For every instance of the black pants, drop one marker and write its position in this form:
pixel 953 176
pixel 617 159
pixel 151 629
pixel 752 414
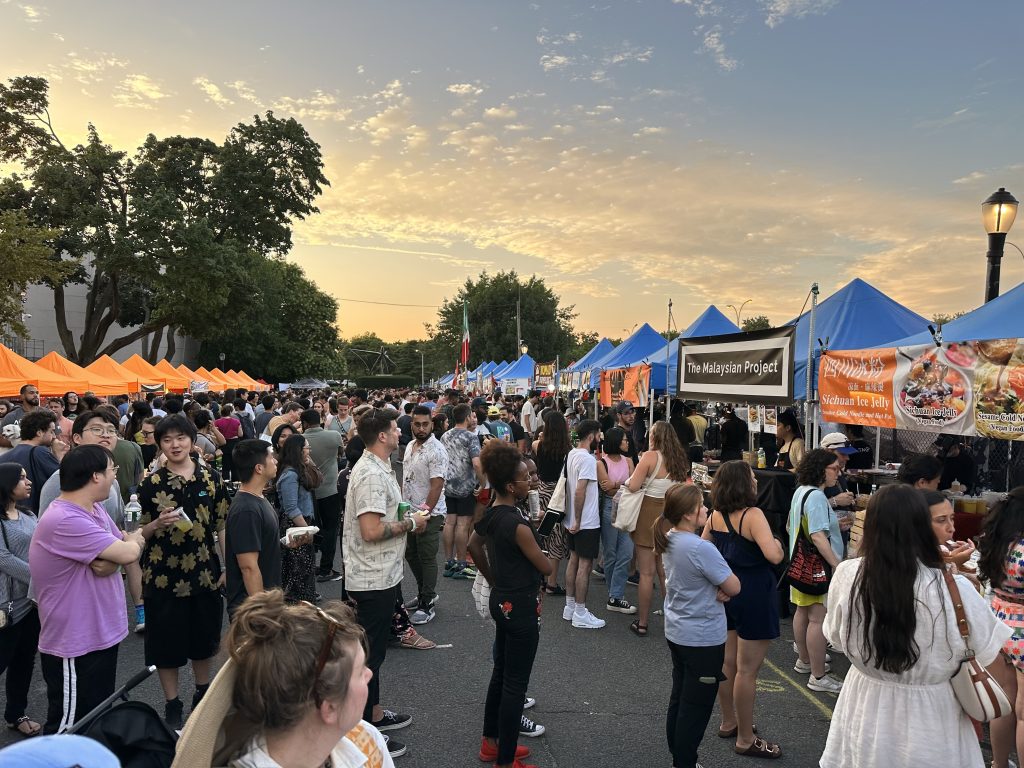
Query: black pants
pixel 18 646
pixel 516 635
pixel 374 610
pixel 328 513
pixel 74 687
pixel 696 673
pixel 227 464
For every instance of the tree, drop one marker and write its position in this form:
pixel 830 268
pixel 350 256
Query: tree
pixel 26 258
pixel 160 234
pixel 491 309
pixel 282 327
pixel 940 318
pixel 758 323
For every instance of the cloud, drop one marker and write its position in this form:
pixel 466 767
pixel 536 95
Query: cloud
pixel 245 93
pixel 971 177
pixel 551 62
pixel 545 39
pixel 504 112
pixel 138 91
pixel 320 106
pixel 702 7
pixel 777 10
pixel 651 130
pixel 213 92
pixel 464 89
pixel 33 14
pixel 713 45
pixel 630 56
pixel 961 115
pixel 91 68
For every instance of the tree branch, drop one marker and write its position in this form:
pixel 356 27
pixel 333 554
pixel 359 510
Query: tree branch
pixel 66 339
pixel 123 341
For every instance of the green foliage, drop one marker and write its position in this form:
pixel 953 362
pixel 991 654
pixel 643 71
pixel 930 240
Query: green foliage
pixel 278 325
pixel 941 318
pixel 491 308
pixel 757 323
pixel 383 381
pixel 26 257
pixel 164 234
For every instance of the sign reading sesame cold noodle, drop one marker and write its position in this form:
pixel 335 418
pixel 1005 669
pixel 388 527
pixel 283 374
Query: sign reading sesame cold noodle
pixel 754 367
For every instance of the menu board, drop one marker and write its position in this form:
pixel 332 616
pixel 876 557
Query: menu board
pixel 974 388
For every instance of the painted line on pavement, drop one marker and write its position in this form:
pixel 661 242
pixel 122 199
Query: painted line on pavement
pixel 801 689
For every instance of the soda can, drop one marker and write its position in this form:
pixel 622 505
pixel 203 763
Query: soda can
pixel 534 501
pixel 403 507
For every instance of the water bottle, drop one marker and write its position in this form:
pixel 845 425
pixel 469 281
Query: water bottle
pixel 132 512
pixel 762 460
pixel 874 488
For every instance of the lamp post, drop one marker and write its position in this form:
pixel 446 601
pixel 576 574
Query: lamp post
pixel 997 214
pixel 739 311
pixel 523 348
pixel 420 351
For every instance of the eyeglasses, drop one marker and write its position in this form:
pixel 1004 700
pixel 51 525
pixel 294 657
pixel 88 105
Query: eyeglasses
pixel 100 431
pixel 325 649
pixel 148 433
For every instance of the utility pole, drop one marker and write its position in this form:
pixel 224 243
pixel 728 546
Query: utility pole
pixel 519 332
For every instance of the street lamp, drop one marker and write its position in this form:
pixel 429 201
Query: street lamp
pixel 739 311
pixel 997 214
pixel 523 348
pixel 422 380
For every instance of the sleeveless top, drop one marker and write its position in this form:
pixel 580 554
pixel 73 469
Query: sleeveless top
pixel 739 553
pixel 656 487
pixel 548 468
pixel 618 472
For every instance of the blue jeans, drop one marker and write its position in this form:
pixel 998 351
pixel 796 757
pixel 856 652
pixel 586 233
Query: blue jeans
pixel 618 551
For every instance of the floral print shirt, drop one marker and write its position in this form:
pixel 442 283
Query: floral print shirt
pixel 183 562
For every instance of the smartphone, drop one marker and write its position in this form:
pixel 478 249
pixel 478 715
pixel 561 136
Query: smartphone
pixel 547 523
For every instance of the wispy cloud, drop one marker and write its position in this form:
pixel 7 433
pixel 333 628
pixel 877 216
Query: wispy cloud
pixel 776 11
pixel 464 89
pixel 504 112
pixel 33 13
pixel 139 91
pixel 554 61
pixel 319 105
pixel 212 92
pixel 961 115
pixel 971 177
pixel 630 55
pixel 713 44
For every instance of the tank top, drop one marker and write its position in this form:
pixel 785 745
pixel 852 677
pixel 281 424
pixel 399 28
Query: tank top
pixel 618 471
pixel 548 467
pixel 738 551
pixel 656 487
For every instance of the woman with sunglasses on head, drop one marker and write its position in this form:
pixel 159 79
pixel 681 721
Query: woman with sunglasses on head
pixel 508 554
pixel 19 640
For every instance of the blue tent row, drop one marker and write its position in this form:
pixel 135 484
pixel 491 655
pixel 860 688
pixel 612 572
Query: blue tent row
pixel 1001 318
pixel 857 316
pixel 710 323
pixel 521 369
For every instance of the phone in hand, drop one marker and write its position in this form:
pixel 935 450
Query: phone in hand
pixel 548 522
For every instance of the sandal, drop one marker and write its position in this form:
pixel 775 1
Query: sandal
pixel 413 639
pixel 638 629
pixel 731 732
pixel 26 726
pixel 761 748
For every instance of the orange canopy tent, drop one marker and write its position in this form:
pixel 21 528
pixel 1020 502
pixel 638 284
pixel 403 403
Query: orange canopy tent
pixel 231 380
pixel 176 380
pixel 147 373
pixel 215 382
pixel 100 385
pixel 16 371
pixel 239 379
pixel 253 384
pixel 189 374
pixel 108 367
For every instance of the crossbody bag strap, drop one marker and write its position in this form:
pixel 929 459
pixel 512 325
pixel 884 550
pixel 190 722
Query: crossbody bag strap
pixel 7 546
pixel 958 609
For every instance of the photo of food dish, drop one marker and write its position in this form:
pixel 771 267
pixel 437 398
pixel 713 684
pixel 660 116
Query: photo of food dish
pixel 935 393
pixel 962 355
pixel 771 419
pixel 996 351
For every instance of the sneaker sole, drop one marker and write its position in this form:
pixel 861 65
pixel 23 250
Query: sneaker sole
pixel 628 611
pixel 538 731
pixel 398 752
pixel 824 689
pixel 576 625
pixel 394 727
pixel 421 622
pixel 807 670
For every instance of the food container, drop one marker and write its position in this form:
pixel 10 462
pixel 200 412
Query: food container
pixel 958 505
pixel 751 458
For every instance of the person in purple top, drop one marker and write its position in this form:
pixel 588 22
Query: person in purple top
pixel 74 559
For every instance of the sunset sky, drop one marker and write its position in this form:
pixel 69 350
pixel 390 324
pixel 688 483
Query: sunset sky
pixel 708 151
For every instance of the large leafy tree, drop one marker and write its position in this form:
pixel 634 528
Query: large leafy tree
pixel 159 236
pixel 26 257
pixel 281 326
pixel 491 308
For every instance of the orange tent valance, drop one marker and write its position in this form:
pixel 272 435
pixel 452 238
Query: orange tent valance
pixel 16 371
pixel 100 385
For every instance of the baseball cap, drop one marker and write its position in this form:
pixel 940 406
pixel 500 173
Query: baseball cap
pixel 478 401
pixel 493 411
pixel 63 751
pixel 836 441
pixel 623 406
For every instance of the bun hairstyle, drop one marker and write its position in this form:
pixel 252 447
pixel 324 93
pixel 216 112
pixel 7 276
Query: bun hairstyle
pixel 680 500
pixel 276 646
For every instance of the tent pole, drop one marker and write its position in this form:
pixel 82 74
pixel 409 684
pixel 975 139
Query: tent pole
pixel 668 348
pixel 808 395
pixel 878 446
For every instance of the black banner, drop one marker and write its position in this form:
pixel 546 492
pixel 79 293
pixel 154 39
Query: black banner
pixel 754 367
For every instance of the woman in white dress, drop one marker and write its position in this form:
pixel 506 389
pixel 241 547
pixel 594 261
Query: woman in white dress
pixel 890 612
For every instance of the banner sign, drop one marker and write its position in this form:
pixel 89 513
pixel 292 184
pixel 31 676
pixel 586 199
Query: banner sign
pixel 974 388
pixel 754 367
pixel 543 375
pixel 632 384
pixel 198 386
pixel 515 386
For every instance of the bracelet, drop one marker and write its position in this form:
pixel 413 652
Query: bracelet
pixel 412 525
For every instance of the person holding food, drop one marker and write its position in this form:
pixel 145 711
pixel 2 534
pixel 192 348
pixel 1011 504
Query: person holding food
pixel 958 465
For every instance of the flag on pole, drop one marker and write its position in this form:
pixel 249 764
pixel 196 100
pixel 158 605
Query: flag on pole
pixel 464 354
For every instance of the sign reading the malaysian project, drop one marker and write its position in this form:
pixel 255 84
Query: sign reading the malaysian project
pixel 972 388
pixel 754 367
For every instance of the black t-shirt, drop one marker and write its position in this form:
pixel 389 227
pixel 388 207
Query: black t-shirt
pixel 511 569
pixel 864 458
pixel 251 527
pixel 734 435
pixel 961 467
pixel 518 433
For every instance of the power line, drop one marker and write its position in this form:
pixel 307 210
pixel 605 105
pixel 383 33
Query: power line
pixel 391 303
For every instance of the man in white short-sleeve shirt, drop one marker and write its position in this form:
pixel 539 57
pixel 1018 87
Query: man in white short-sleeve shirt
pixel 583 524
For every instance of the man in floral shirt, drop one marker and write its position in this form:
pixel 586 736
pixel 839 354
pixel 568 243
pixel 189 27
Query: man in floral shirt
pixel 181 566
pixel 463 476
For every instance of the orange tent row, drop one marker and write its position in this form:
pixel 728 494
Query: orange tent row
pixel 55 375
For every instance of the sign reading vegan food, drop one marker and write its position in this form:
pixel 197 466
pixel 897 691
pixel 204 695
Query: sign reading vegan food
pixel 974 388
pixel 754 367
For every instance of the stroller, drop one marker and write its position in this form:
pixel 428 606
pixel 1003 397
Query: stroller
pixel 132 730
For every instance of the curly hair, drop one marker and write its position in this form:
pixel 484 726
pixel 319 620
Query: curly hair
pixel 677 462
pixel 812 469
pixel 500 461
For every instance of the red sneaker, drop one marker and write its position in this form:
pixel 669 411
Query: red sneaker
pixel 489 754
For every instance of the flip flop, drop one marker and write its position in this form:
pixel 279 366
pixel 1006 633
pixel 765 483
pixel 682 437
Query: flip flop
pixel 761 748
pixel 34 728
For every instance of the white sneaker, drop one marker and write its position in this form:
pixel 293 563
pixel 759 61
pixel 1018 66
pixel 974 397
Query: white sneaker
pixel 804 668
pixel 567 612
pixel 586 621
pixel 825 684
pixel 828 656
pixel 420 616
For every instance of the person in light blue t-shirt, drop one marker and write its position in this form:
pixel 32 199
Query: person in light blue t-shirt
pixel 698 581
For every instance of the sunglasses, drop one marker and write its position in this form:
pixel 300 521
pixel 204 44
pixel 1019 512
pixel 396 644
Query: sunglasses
pixel 325 650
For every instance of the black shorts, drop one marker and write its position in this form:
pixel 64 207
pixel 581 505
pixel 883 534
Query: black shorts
pixel 182 628
pixel 460 506
pixel 585 543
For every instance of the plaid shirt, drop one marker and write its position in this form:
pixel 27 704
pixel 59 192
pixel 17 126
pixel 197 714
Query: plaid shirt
pixel 371 565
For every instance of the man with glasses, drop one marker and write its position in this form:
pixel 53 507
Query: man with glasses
pixel 181 571
pixel 39 452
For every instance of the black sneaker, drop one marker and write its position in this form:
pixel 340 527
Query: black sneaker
pixel 529 728
pixel 328 576
pixel 198 695
pixel 395 748
pixel 173 710
pixel 392 721
pixel 634 579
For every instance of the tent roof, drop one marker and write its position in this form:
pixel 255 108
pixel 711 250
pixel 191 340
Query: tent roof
pixel 176 380
pixel 19 371
pixel 711 322
pixel 644 342
pixel 857 316
pixel 106 366
pixel 520 369
pixel 1001 318
pixel 184 370
pixel 145 371
pixel 231 381
pixel 599 350
pixel 101 385
pixel 210 378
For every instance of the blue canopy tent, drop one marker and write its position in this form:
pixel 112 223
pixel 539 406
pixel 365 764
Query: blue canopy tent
pixel 599 350
pixel 857 316
pixel 496 374
pixel 638 348
pixel 710 323
pixel 522 368
pixel 1001 318
pixel 446 380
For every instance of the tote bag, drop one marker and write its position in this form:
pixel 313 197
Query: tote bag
pixel 628 509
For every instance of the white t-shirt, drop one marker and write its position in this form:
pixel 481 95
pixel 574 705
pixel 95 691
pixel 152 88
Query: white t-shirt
pixel 582 466
pixel 528 418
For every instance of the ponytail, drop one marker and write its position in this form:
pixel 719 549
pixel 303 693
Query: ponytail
pixel 680 500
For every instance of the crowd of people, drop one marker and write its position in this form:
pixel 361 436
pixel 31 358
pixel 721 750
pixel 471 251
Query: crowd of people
pixel 239 506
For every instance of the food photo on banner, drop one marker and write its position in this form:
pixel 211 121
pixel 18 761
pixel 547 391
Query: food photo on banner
pixel 544 375
pixel 632 384
pixel 754 367
pixel 974 388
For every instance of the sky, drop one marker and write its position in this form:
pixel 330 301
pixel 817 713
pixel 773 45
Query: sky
pixel 628 151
